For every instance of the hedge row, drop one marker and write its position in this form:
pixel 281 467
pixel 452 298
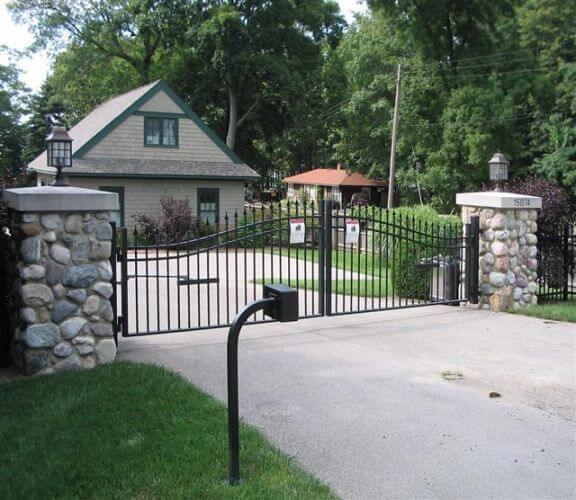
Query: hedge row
pixel 405 236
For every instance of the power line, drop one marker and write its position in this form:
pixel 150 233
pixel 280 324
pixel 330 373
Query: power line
pixel 329 109
pixel 491 73
pixel 486 56
pixel 335 112
pixel 488 73
pixel 521 117
pixel 483 65
pixel 335 109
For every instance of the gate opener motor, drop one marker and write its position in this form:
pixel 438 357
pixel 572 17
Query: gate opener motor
pixel 280 302
pixel 285 305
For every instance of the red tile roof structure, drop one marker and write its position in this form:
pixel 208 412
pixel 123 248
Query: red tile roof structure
pixel 333 177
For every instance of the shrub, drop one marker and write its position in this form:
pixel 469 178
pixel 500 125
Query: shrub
pixel 303 196
pixel 558 209
pixel 557 206
pixel 407 236
pixel 359 200
pixel 175 222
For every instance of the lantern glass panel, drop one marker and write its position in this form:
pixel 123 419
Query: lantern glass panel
pixel 498 172
pixel 60 153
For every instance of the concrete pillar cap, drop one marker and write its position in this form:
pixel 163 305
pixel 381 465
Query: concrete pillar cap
pixel 497 199
pixel 60 199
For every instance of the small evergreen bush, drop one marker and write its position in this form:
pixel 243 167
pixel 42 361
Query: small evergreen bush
pixel 407 235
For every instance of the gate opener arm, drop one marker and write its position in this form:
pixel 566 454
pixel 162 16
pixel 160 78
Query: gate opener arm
pixel 280 302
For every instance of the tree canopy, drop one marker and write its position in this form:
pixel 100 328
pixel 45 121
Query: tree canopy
pixel 291 87
pixel 11 130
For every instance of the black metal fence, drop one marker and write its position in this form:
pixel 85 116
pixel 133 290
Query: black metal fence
pixel 8 295
pixel 557 263
pixel 203 281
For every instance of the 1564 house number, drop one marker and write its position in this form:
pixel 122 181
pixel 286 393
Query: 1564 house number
pixel 521 203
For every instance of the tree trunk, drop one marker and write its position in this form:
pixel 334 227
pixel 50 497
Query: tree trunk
pixel 232 119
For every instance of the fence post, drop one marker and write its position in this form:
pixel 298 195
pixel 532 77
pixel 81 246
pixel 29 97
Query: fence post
pixel 321 255
pixel 114 280
pixel 65 242
pixel 474 251
pixel 328 206
pixel 503 268
pixel 124 281
pixel 566 259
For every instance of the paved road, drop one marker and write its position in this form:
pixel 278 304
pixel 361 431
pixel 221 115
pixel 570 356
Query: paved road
pixel 361 402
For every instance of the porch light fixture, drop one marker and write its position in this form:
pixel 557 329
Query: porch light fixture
pixel 498 170
pixel 59 152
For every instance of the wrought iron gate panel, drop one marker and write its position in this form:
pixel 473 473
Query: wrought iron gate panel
pixel 398 262
pixel 556 263
pixel 204 280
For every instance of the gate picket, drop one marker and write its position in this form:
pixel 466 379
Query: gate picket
pixel 332 276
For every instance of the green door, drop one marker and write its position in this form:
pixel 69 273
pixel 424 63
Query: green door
pixel 117 216
pixel 208 204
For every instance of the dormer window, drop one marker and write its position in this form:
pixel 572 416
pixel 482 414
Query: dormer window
pixel 160 132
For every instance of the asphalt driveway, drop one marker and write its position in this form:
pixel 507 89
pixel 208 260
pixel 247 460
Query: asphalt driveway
pixel 396 404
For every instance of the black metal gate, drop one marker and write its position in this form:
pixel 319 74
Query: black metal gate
pixel 556 263
pixel 341 261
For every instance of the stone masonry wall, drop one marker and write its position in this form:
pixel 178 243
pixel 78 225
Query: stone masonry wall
pixel 507 257
pixel 66 315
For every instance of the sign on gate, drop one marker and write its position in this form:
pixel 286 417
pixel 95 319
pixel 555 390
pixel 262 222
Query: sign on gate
pixel 352 231
pixel 297 231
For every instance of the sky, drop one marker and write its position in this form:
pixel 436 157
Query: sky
pixel 36 68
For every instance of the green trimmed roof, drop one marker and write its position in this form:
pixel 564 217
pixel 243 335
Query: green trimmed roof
pixel 155 169
pixel 111 113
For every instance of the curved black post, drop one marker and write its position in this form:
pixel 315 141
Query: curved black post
pixel 233 419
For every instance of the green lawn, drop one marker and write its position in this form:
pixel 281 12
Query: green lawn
pixel 365 263
pixel 131 431
pixel 557 311
pixel 357 288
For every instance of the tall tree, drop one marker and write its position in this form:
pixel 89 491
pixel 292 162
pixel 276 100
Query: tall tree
pixel 43 109
pixel 11 137
pixel 547 27
pixel 83 77
pixel 131 30
pixel 447 31
pixel 257 52
pixel 469 88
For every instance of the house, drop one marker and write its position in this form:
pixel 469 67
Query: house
pixel 335 183
pixel 147 143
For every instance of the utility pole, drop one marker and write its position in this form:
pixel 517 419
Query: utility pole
pixel 394 136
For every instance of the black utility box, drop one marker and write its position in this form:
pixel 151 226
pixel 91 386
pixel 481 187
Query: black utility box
pixel 444 278
pixel 285 306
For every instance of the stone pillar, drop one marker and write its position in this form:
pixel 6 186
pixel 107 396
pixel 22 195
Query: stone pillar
pixel 508 247
pixel 64 239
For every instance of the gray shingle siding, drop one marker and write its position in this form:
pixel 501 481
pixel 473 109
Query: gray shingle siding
pixel 127 141
pixel 142 196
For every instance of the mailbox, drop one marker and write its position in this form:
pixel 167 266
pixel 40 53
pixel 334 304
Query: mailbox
pixel 285 306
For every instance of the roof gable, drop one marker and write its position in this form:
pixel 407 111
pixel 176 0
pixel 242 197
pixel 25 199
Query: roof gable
pixel 106 117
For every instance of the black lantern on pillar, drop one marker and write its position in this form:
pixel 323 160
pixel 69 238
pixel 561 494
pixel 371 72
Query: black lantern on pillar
pixel 59 152
pixel 498 170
